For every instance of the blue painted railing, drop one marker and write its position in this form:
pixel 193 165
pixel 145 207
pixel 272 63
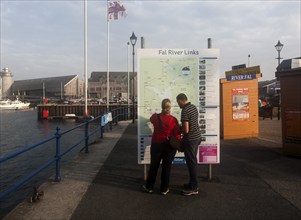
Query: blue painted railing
pixel 106 119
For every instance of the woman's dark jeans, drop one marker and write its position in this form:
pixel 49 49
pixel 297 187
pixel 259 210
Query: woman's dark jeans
pixel 160 151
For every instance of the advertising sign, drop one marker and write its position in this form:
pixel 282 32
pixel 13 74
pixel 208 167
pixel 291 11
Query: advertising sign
pixel 241 77
pixel 249 70
pixel 164 73
pixel 240 104
pixel 208 154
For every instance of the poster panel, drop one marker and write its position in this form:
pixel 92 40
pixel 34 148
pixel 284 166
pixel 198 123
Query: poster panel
pixel 164 73
pixel 240 104
pixel 207 154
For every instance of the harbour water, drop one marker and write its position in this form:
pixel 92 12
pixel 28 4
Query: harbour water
pixel 19 129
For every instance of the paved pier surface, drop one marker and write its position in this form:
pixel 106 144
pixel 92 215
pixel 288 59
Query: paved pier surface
pixel 253 181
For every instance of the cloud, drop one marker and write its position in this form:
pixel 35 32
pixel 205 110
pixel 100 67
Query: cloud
pixel 49 37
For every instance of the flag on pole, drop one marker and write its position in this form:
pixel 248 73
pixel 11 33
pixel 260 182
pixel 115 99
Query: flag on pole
pixel 116 10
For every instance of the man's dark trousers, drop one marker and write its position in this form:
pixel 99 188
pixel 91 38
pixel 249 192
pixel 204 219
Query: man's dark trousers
pixel 190 152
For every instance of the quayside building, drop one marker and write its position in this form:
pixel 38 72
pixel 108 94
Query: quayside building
pixel 60 87
pixel 67 87
pixel 97 84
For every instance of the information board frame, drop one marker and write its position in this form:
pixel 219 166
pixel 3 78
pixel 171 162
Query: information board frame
pixel 164 73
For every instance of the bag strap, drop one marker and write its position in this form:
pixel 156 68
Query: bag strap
pixel 160 122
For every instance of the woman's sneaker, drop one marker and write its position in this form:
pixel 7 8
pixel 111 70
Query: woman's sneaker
pixel 145 189
pixel 164 192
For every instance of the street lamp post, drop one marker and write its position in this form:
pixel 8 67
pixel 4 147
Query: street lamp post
pixel 249 56
pixel 133 40
pixel 278 47
pixel 128 96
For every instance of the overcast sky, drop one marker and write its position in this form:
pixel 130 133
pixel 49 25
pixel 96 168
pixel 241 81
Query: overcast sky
pixel 44 38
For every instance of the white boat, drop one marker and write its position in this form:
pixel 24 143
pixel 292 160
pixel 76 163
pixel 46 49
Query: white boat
pixel 14 105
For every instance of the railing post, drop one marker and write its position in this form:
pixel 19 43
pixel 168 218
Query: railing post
pixel 110 117
pixel 57 155
pixel 117 118
pixel 103 124
pixel 106 122
pixel 124 114
pixel 128 112
pixel 101 127
pixel 87 136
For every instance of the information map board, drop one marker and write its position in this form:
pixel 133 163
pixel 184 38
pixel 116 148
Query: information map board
pixel 164 73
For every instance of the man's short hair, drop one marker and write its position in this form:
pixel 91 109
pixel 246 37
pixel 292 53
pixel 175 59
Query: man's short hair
pixel 182 97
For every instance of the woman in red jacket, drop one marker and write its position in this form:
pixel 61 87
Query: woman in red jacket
pixel 165 125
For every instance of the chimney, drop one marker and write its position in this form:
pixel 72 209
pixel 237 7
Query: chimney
pixel 142 42
pixel 209 43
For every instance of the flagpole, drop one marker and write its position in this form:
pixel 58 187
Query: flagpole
pixel 108 58
pixel 116 9
pixel 85 58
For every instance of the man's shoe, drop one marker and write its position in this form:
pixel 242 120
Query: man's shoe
pixel 189 192
pixel 186 186
pixel 145 189
pixel 164 192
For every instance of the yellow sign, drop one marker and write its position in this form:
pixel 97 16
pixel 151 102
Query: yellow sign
pixel 244 71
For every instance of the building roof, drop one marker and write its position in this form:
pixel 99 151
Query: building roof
pixel 52 84
pixel 289 64
pixel 102 76
pixel 266 83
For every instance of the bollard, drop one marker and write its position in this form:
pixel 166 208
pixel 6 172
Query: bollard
pixel 58 156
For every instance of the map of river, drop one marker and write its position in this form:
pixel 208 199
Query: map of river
pixel 162 78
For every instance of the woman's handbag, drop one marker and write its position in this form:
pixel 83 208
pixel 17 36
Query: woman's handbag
pixel 175 143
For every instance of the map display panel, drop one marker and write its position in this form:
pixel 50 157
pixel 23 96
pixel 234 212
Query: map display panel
pixel 165 78
pixel 164 73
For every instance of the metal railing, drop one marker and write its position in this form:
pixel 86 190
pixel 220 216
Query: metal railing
pixel 100 122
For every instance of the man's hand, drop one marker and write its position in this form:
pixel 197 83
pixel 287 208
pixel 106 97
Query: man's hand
pixel 185 127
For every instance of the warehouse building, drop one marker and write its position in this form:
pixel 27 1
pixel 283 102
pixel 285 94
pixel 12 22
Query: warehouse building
pixel 97 84
pixel 61 87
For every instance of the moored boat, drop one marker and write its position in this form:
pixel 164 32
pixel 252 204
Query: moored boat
pixel 14 105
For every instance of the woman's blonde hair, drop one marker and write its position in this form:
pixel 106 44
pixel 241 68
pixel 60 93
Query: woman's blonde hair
pixel 166 106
